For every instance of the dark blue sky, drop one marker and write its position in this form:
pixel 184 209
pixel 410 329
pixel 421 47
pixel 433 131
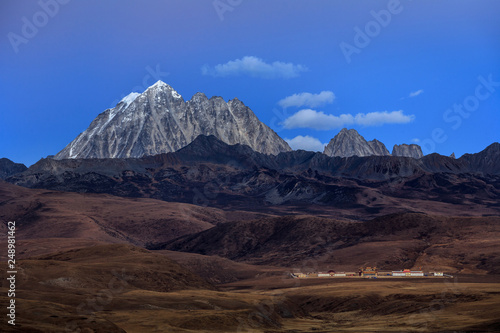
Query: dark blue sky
pixel 399 71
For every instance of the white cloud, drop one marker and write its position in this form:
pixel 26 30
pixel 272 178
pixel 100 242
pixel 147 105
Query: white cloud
pixel 308 99
pixel 306 143
pixel 380 118
pixel 415 140
pixel 308 118
pixel 416 93
pixel 254 67
pixel 318 120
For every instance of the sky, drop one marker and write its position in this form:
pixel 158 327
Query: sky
pixel 425 72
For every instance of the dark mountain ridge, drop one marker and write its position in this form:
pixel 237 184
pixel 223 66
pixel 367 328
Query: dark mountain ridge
pixel 9 168
pixel 223 174
pixel 208 149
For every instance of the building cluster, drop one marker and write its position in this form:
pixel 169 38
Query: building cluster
pixel 370 272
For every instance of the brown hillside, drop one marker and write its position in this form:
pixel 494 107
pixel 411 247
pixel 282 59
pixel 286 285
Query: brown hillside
pixel 102 217
pixel 455 244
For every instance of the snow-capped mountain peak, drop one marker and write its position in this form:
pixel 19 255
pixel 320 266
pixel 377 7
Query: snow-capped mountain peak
pixel 160 121
pixel 160 86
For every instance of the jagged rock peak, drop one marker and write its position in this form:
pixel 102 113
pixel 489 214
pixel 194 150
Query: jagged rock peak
pixel 405 150
pixel 160 121
pixel 350 143
pixel 453 155
pixel 378 148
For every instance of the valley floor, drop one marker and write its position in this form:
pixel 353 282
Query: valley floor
pixel 98 263
pixel 270 302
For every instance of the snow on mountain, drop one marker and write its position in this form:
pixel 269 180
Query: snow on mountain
pixel 130 98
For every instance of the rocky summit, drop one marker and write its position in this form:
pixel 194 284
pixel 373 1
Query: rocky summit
pixel 350 143
pixel 378 148
pixel 160 121
pixel 405 150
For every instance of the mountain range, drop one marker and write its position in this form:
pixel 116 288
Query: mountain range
pixel 212 152
pixel 160 121
pixel 211 172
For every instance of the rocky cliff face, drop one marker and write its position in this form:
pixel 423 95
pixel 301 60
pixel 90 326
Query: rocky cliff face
pixel 160 121
pixel 349 143
pixel 405 150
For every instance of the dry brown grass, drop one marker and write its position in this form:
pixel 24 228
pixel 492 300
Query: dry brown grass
pixel 154 298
